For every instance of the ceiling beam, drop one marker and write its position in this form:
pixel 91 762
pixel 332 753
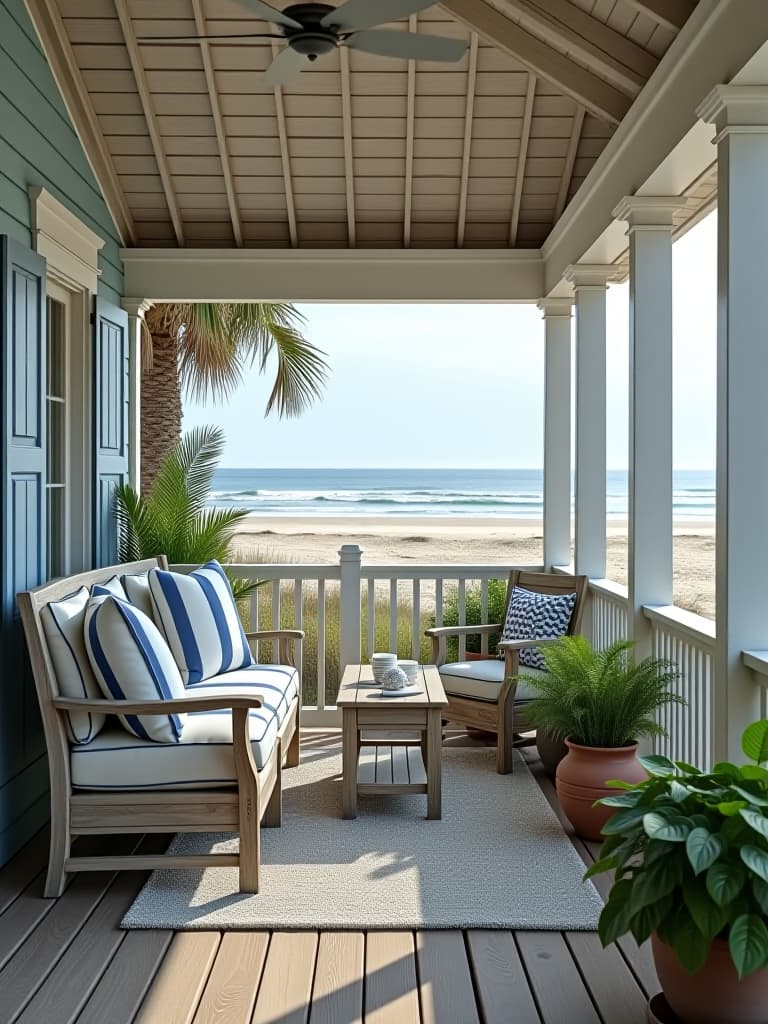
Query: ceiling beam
pixel 525 136
pixel 285 157
pixel 570 160
pixel 410 121
pixel 468 116
pixel 140 75
pixel 669 13
pixel 601 98
pixel 349 165
pixel 58 51
pixel 594 44
pixel 218 120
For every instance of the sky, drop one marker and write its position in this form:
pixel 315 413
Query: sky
pixel 462 385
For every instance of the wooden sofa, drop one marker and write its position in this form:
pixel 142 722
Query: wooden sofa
pixel 254 800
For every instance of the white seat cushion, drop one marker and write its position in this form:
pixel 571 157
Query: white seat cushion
pixel 202 759
pixel 482 680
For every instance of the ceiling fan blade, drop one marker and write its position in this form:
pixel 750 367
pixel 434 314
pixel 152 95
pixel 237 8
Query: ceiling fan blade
pixel 285 65
pixel 359 14
pixel 407 45
pixel 267 13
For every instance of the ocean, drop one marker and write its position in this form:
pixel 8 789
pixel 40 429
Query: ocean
pixel 513 493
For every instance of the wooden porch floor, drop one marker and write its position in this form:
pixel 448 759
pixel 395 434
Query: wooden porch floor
pixel 67 960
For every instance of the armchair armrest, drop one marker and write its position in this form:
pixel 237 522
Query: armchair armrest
pixel 235 700
pixel 521 645
pixel 284 638
pixel 440 634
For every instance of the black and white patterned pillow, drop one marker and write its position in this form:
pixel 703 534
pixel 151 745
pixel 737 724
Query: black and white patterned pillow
pixel 531 614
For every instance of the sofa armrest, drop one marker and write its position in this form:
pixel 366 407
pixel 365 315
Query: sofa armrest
pixel 284 637
pixel 178 706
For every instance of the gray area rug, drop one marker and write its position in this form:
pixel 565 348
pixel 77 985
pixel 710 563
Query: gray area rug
pixel 498 859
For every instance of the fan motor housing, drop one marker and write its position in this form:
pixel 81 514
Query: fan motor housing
pixel 312 39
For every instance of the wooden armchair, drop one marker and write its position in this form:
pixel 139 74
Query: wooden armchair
pixel 485 694
pixel 254 798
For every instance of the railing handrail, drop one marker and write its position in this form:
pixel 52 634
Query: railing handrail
pixel 276 570
pixel 677 620
pixel 758 662
pixel 440 570
pixel 609 589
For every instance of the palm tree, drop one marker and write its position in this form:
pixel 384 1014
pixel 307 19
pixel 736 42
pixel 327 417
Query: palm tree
pixel 203 349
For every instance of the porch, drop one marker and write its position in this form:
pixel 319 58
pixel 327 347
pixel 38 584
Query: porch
pixel 67 960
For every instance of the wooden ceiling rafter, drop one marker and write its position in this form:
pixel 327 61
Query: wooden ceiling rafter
pixel 150 117
pixel 467 144
pixel 410 122
pixel 600 98
pixel 669 13
pixel 570 160
pixel 285 159
pixel 525 136
pixel 349 162
pixel 218 121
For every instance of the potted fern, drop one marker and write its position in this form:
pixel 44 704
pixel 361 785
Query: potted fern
pixel 690 854
pixel 601 703
pixel 174 519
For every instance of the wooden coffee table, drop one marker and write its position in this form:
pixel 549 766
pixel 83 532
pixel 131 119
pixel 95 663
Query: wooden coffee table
pixel 363 707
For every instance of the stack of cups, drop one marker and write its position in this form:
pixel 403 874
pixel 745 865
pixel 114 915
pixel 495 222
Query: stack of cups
pixel 381 663
pixel 411 669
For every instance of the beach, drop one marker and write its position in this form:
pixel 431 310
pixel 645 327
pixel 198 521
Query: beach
pixel 445 540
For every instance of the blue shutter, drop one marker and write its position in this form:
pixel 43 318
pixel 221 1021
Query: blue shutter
pixel 110 423
pixel 23 558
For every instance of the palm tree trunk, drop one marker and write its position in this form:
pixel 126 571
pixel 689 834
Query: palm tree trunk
pixel 160 400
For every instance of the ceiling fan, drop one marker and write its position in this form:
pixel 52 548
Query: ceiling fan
pixel 314 29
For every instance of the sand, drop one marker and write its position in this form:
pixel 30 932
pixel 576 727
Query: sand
pixel 417 540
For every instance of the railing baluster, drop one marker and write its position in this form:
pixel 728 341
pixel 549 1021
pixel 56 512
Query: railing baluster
pixel 321 644
pixel 393 616
pixel 416 624
pixel 439 601
pixel 253 616
pixel 484 614
pixel 275 619
pixel 462 617
pixel 298 618
pixel 371 617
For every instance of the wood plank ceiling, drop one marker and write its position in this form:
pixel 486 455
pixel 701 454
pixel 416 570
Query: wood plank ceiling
pixel 359 150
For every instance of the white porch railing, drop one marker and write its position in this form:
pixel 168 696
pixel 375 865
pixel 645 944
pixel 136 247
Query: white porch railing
pixel 758 662
pixel 608 613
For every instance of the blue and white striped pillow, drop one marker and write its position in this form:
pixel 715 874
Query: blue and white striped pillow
pixel 131 661
pixel 198 615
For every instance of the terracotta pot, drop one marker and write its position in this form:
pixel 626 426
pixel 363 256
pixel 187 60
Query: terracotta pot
pixel 581 778
pixel 714 995
pixel 551 751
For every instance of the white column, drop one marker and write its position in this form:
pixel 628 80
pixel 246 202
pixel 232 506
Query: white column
pixel 350 557
pixel 135 308
pixel 740 114
pixel 650 224
pixel 590 283
pixel 557 431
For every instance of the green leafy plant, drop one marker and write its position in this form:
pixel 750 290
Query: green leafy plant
pixel 173 519
pixel 690 853
pixel 473 614
pixel 599 698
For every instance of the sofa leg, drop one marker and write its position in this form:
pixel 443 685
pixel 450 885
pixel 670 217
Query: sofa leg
pixel 293 753
pixel 249 802
pixel 273 812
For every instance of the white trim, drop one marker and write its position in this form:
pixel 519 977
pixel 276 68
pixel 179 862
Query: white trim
pixel 136 310
pixel 70 248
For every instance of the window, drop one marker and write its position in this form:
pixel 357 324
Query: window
pixel 57 410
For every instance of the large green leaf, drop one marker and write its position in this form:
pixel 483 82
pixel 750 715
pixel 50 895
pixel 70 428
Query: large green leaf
pixel 754 798
pixel 703 849
pixel 725 882
pixel 710 918
pixel 615 915
pixel 653 883
pixel 622 821
pixel 647 920
pixel 756 860
pixel 748 942
pixel 670 828
pixel 629 799
pixel 656 764
pixel 760 892
pixel 687 941
pixel 754 741
pixel 756 821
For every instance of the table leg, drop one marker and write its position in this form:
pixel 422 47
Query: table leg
pixel 434 765
pixel 350 748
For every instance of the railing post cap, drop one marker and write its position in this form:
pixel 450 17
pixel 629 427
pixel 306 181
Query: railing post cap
pixel 350 552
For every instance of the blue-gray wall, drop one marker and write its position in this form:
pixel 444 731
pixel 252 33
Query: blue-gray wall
pixel 38 146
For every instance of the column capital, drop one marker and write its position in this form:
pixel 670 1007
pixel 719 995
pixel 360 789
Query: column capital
pixel 592 275
pixel 736 109
pixel 136 307
pixel 650 213
pixel 556 308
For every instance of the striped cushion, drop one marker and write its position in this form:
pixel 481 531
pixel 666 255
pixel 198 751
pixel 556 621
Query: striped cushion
pixel 203 757
pixel 198 615
pixel 131 661
pixel 136 586
pixel 63 626
pixel 112 586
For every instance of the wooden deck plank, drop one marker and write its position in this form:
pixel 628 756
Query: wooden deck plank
pixel 286 984
pixel 122 987
pixel 557 985
pixel 391 987
pixel 178 985
pixel 610 981
pixel 337 995
pixel 500 982
pixel 16 875
pixel 230 994
pixel 445 981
